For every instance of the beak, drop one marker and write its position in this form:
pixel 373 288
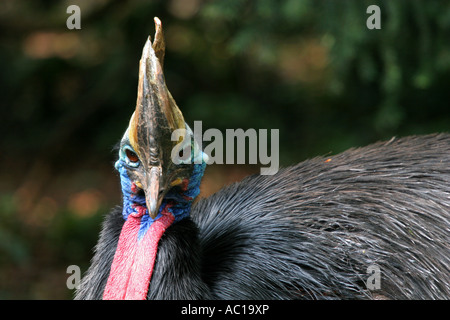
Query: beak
pixel 152 191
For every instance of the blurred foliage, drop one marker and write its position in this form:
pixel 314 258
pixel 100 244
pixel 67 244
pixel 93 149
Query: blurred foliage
pixel 310 68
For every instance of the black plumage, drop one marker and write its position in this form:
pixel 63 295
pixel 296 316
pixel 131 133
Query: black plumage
pixel 310 231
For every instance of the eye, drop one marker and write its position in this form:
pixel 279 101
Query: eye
pixel 131 156
pixel 185 154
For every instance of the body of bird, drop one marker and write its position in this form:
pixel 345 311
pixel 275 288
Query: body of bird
pixel 311 231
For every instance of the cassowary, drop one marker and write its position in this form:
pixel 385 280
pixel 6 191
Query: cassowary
pixel 311 231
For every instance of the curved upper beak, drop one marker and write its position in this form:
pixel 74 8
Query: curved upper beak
pixel 152 189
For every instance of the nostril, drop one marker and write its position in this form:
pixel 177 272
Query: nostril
pixel 140 193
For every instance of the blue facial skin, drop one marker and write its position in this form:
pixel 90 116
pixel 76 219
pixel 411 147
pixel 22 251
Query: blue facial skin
pixel 181 200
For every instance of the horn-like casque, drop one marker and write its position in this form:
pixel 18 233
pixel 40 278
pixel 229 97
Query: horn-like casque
pixel 156 110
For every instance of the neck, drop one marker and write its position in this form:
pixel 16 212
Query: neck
pixel 135 255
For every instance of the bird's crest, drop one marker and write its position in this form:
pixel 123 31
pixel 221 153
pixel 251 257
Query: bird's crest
pixel 156 110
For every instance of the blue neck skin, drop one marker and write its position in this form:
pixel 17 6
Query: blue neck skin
pixel 181 200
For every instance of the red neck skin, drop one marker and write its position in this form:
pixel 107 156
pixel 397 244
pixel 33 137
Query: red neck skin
pixel 134 260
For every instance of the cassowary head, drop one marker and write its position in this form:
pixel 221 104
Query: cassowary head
pixel 160 167
pixel 151 162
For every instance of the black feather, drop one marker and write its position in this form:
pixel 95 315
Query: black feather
pixel 310 231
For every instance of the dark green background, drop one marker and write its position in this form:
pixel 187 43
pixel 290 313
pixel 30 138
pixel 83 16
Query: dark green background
pixel 311 69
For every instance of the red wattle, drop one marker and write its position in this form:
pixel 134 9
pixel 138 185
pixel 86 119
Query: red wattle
pixel 133 262
pixel 123 260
